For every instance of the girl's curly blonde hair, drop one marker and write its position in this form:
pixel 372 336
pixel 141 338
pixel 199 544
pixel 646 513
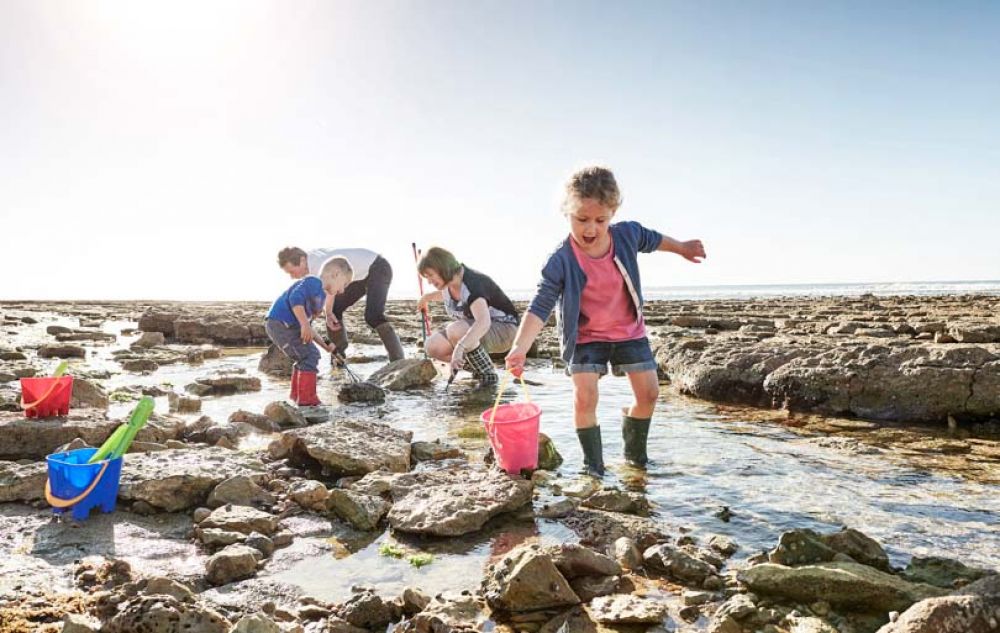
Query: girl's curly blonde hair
pixel 595 182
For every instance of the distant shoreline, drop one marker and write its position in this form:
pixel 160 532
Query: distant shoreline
pixel 680 293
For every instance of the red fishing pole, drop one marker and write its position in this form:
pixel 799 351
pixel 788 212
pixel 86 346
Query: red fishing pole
pixel 420 284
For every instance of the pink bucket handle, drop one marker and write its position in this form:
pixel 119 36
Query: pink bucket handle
pixel 490 430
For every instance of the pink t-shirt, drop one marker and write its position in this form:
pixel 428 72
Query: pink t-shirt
pixel 607 312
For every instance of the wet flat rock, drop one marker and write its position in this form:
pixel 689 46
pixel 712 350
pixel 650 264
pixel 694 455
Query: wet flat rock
pixel 178 479
pixel 894 358
pixel 206 324
pixel 849 585
pixel 223 385
pixel 22 482
pixel 526 579
pixel 406 373
pixel 34 438
pixel 628 609
pixel 361 392
pixel 351 447
pixel 454 501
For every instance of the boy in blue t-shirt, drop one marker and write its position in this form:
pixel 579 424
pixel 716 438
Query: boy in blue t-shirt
pixel 288 325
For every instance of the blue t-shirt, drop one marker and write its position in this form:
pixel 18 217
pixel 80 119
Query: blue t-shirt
pixel 306 292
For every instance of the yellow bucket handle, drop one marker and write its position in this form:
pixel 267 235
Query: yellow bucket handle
pixel 52 387
pixel 496 403
pixel 57 502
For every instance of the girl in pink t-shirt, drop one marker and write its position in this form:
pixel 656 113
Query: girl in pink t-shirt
pixel 594 277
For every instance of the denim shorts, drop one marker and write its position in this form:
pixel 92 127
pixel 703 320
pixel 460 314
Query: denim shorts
pixel 626 357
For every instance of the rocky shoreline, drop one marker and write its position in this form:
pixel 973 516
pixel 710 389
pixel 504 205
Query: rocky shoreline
pixel 906 359
pixel 205 526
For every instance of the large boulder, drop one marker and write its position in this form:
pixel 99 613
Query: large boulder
pixel 848 585
pixel 548 455
pixel 574 561
pixel 613 500
pixel 158 321
pixel 628 609
pixel 233 562
pixel 350 447
pixel 454 501
pixel 239 490
pixel 159 613
pixel 367 610
pixel 87 393
pixel 149 339
pixel 22 482
pixel 601 529
pixel 34 438
pixel 242 519
pixel 858 546
pixel 224 385
pixel 285 415
pixel 801 547
pixel 526 579
pixel 971 609
pixel 446 612
pixel 62 351
pixel 826 374
pixel 360 510
pixel 405 374
pixel 941 572
pixel 364 391
pixel 179 479
pixel 274 362
pixel 222 330
pixel 949 614
pixel 682 564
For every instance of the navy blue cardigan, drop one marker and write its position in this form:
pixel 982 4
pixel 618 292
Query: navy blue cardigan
pixel 563 279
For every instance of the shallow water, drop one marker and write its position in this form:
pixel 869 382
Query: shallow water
pixel 771 479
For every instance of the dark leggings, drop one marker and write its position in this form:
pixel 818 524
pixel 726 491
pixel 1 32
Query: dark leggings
pixel 375 286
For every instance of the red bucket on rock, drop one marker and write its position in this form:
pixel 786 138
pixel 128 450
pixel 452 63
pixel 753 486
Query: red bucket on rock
pixel 44 397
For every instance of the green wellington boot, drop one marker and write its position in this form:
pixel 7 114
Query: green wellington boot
pixel 593 452
pixel 635 432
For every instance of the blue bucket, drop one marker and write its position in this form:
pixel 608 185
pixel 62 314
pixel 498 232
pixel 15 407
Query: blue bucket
pixel 75 484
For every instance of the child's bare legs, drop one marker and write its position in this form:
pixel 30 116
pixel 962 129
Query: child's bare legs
pixel 646 388
pixel 635 419
pixel 585 400
pixel 585 418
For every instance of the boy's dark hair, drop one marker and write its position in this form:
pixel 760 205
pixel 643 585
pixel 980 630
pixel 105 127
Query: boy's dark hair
pixel 440 261
pixel 290 255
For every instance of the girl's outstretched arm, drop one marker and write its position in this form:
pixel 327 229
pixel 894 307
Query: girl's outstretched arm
pixel 691 250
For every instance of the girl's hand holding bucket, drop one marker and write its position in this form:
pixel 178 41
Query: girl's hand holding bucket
pixel 515 361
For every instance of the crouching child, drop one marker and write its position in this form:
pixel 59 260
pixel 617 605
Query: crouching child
pixel 289 325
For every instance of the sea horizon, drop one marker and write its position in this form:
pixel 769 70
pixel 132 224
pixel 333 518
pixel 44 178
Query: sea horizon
pixel 679 292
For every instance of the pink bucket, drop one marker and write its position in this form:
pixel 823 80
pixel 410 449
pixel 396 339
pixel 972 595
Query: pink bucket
pixel 514 435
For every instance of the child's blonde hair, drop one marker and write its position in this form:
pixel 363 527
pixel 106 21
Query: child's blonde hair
pixel 595 182
pixel 337 264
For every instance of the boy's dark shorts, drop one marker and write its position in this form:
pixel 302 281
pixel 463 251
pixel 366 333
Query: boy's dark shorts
pixel 626 357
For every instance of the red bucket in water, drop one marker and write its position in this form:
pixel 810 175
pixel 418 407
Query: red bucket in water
pixel 44 397
pixel 513 434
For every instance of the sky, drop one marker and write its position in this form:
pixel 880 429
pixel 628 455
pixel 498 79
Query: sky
pixel 168 150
